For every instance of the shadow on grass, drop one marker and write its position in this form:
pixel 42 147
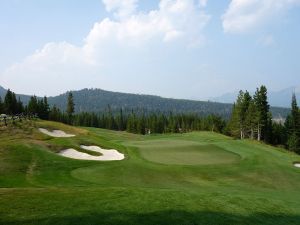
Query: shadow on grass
pixel 161 218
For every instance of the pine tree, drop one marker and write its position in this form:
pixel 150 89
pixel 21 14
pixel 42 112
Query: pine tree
pixel 54 114
pixel 70 107
pixel 14 104
pixel 9 102
pixel 46 108
pixel 251 119
pixel 238 119
pixel 40 108
pixel 141 126
pixel 20 107
pixel 1 106
pixel 295 115
pixel 33 106
pixel 293 127
pixel 110 119
pixel 279 134
pixel 262 106
pixel 293 143
pixel 120 120
pixel 131 123
pixel 246 100
pixel 240 113
pixel 233 127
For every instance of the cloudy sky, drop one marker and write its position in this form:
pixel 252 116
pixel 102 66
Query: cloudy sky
pixel 173 48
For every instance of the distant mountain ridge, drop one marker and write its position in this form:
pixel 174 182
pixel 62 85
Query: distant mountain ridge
pixel 280 98
pixel 2 92
pixel 97 100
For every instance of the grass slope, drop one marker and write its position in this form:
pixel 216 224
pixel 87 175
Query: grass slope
pixel 194 178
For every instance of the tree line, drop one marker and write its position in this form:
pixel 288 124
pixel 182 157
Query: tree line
pixel 11 106
pixel 250 119
pixel 137 121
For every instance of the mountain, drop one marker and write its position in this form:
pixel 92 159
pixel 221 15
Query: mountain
pixel 97 100
pixel 280 98
pixel 24 98
pixel 2 92
pixel 284 97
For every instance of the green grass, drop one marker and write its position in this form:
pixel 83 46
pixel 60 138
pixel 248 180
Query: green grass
pixel 184 179
pixel 185 153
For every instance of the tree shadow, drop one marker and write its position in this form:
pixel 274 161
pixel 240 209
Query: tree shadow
pixel 161 218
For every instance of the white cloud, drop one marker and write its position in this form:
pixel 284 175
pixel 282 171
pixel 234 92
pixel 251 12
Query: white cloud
pixel 174 21
pixel 123 8
pixel 246 15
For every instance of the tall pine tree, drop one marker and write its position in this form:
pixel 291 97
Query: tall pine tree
pixel 238 121
pixel 262 106
pixel 293 127
pixel 251 119
pixel 10 102
pixel 1 106
pixel 70 107
pixel 33 106
pixel 20 107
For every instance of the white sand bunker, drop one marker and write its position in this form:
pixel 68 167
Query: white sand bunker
pixel 297 165
pixel 55 133
pixel 107 155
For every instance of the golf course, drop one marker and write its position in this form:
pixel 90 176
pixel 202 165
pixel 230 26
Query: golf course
pixel 163 179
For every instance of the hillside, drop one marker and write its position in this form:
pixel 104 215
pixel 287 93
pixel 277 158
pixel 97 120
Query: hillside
pixel 93 100
pixel 24 98
pixel 171 179
pixel 2 91
pixel 97 100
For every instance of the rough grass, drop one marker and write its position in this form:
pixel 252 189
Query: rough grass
pixel 37 186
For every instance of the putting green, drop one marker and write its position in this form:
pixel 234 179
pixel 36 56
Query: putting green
pixel 186 153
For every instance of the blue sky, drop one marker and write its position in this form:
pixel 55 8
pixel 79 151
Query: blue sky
pixel 174 48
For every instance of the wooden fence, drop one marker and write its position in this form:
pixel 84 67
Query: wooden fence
pixel 6 119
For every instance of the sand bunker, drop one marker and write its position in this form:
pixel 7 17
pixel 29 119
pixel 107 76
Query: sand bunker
pixel 55 133
pixel 297 165
pixel 107 155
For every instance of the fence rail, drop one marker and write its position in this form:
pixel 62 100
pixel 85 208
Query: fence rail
pixel 6 119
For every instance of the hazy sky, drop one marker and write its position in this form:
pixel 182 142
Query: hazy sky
pixel 174 48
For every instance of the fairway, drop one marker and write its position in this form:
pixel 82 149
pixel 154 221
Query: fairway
pixel 185 153
pixel 171 179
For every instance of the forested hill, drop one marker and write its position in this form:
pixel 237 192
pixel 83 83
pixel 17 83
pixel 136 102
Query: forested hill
pixel 93 100
pixel 97 100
